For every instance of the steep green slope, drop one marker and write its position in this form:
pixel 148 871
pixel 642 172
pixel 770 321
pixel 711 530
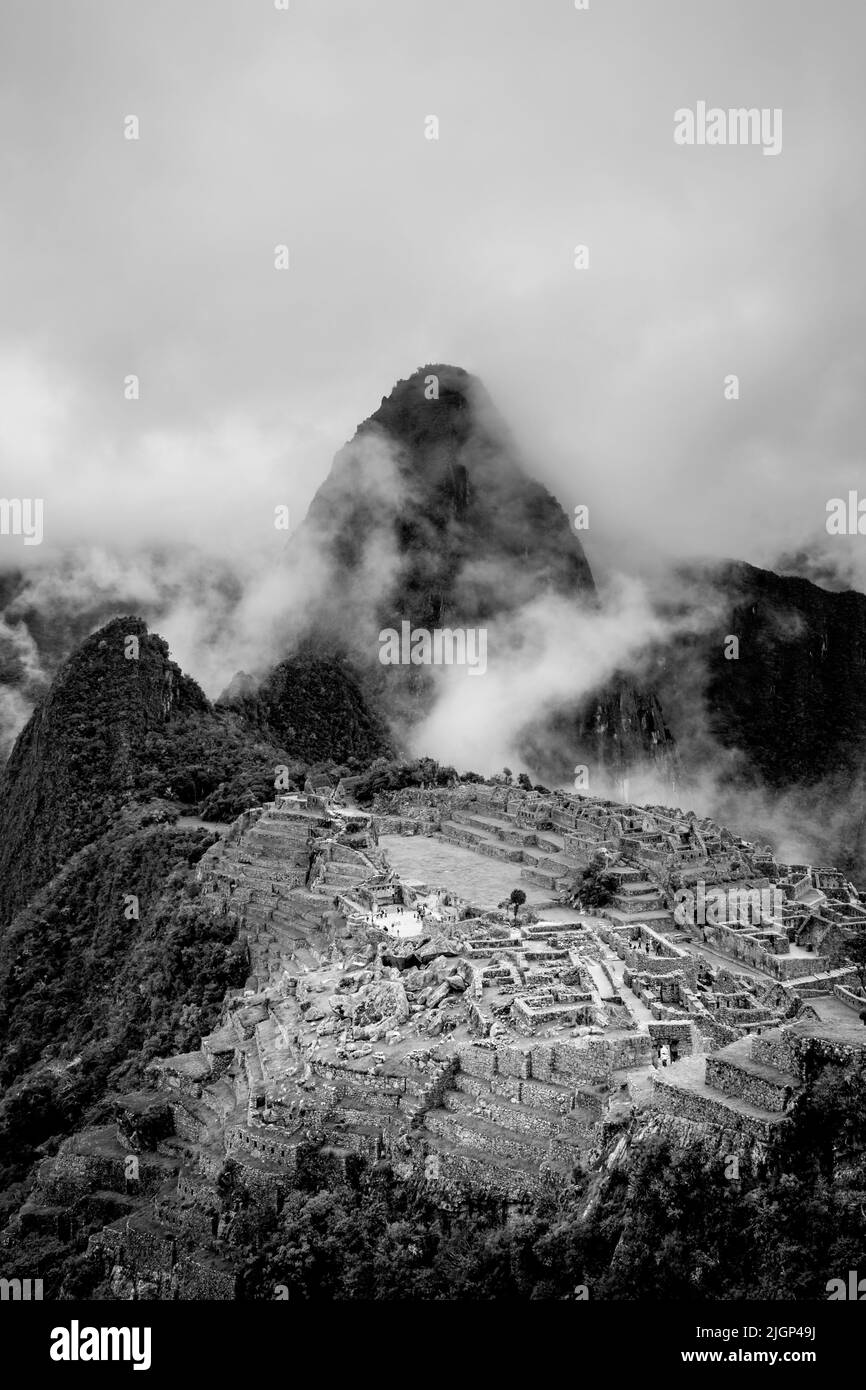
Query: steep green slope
pixel 120 725
pixel 89 993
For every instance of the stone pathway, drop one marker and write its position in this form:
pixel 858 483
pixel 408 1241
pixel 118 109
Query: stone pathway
pixel 641 1014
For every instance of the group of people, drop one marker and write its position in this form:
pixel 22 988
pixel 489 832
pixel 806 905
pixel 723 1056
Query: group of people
pixel 381 912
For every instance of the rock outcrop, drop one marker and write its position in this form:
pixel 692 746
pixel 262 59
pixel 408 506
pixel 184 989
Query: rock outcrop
pixel 430 517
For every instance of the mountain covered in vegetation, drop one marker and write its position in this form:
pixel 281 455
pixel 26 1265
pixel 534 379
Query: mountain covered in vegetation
pixel 109 965
pixel 106 959
pixel 313 704
pixel 121 725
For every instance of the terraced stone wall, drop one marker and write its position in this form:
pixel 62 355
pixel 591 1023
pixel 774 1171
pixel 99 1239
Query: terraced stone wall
pixel 704 1110
pixel 764 1093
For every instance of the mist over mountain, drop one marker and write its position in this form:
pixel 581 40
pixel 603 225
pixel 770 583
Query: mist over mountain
pixel 429 519
pixel 433 486
pixel 431 516
pixel 794 699
pixel 767 698
pixel 48 609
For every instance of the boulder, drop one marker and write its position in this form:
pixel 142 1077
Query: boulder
pixel 440 969
pixel 436 946
pixel 354 980
pixel 383 999
pixel 400 954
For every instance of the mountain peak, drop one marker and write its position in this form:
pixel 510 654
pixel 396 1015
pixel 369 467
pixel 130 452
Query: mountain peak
pixel 127 667
pixel 439 408
pixel 79 757
pixel 433 494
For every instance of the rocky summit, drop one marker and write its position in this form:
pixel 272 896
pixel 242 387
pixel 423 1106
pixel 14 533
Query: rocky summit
pixel 430 517
pixel 438 481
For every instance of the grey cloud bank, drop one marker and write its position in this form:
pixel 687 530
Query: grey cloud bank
pixel 260 127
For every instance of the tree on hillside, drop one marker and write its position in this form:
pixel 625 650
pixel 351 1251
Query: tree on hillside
pixel 517 899
pixel 596 887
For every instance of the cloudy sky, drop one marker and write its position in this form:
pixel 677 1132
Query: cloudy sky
pixel 261 127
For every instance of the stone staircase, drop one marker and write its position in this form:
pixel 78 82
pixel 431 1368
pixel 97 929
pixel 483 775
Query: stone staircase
pixel 638 899
pixel 271 879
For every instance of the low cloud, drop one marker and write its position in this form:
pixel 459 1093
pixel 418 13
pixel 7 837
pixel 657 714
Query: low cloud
pixel 547 655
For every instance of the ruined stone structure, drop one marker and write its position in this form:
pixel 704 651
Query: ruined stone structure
pixel 484 1050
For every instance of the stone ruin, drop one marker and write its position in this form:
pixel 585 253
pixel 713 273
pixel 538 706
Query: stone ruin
pixel 481 1051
